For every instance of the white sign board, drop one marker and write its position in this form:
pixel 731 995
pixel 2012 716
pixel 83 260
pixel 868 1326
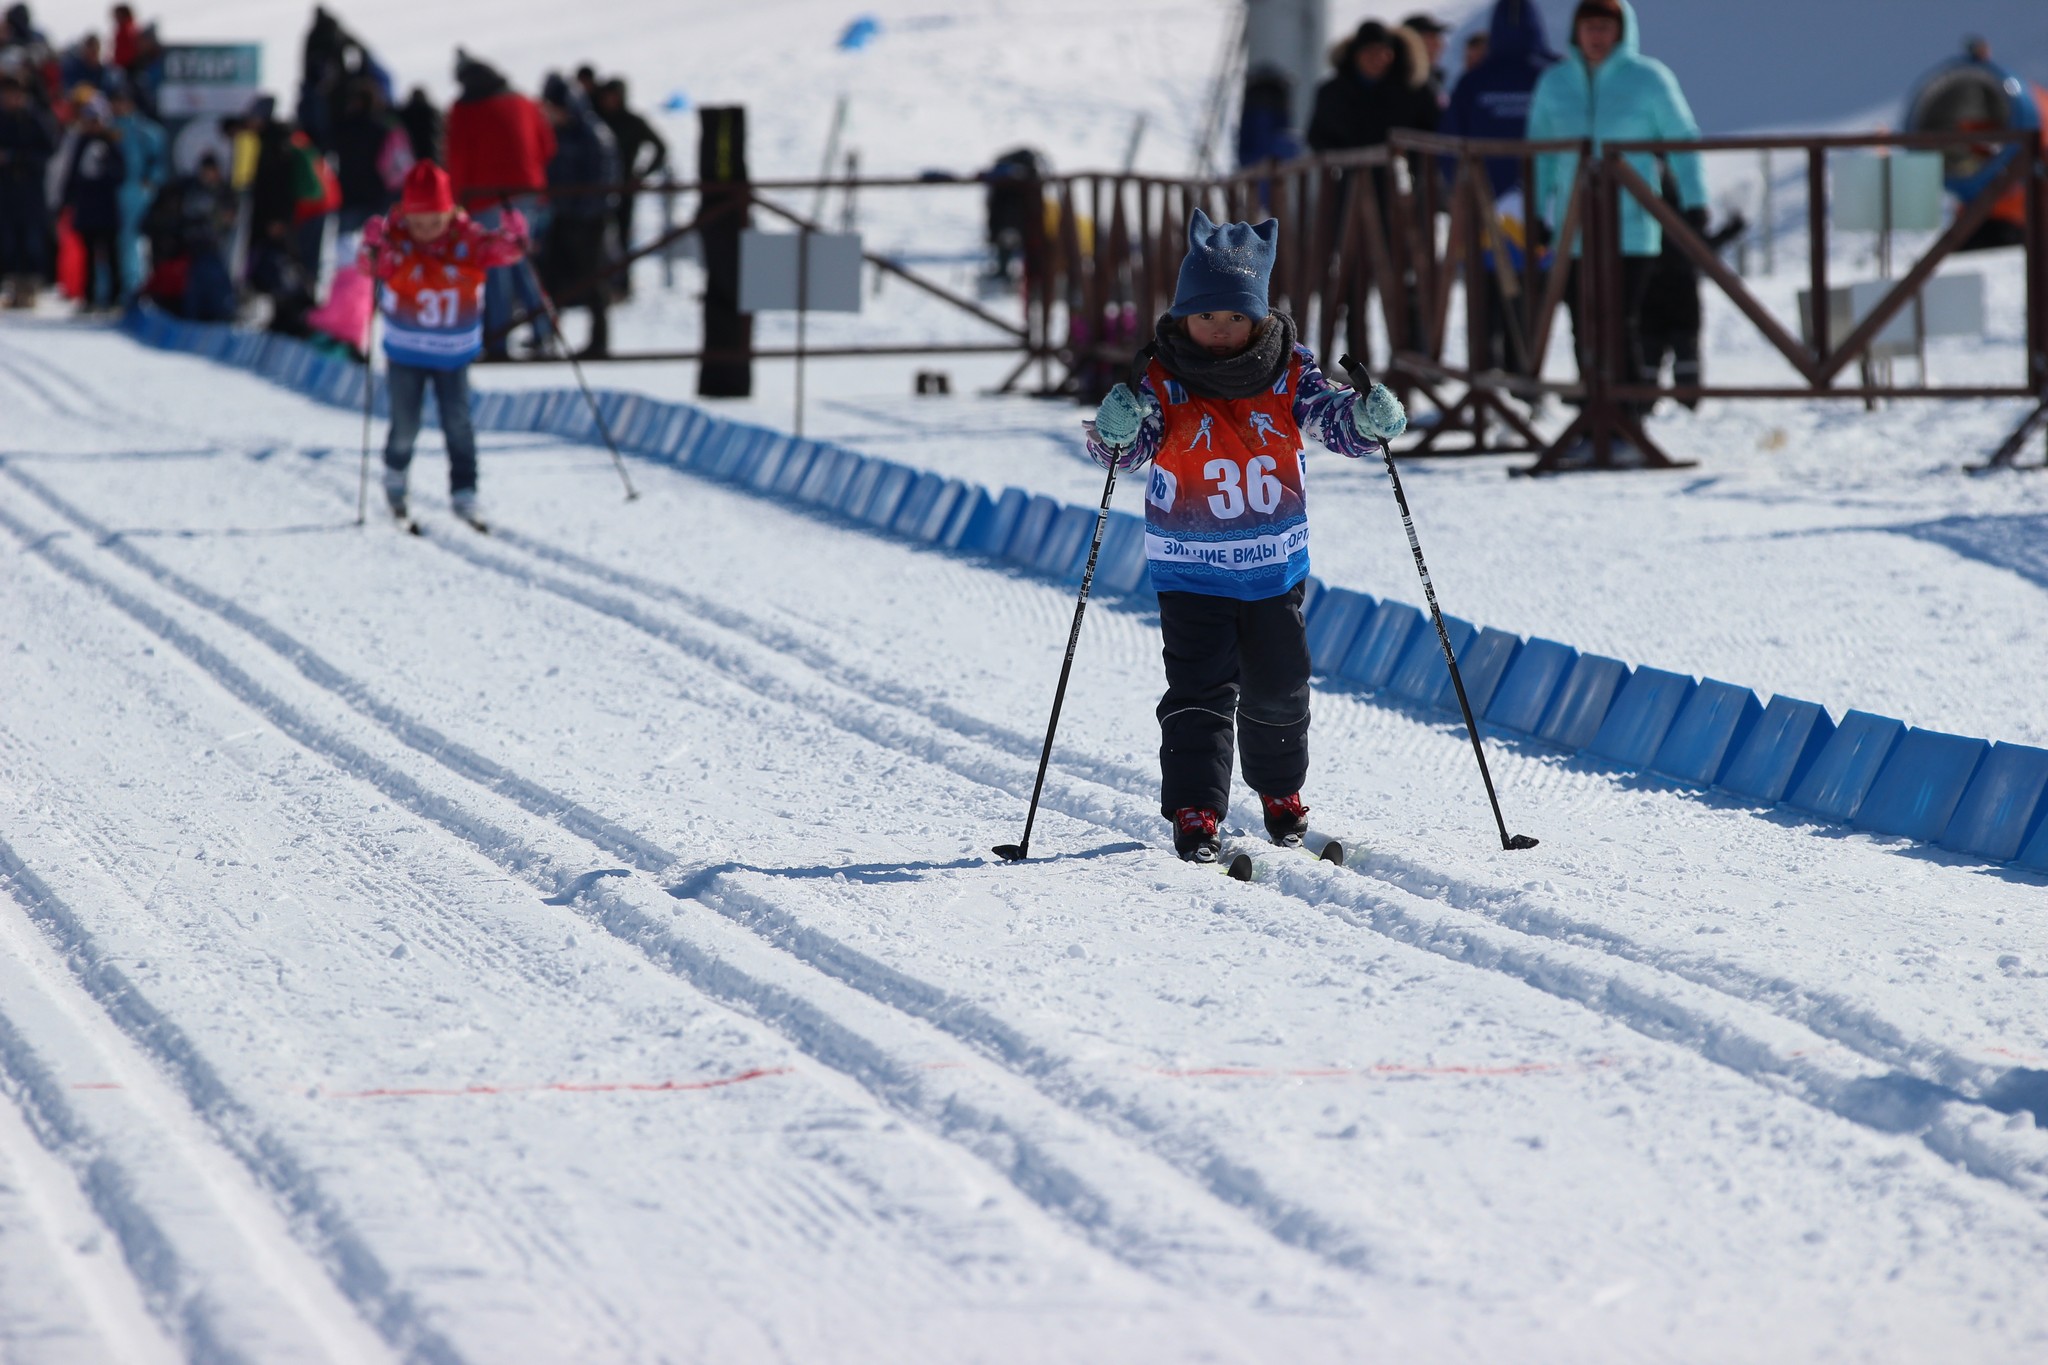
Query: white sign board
pixel 1950 306
pixel 768 271
pixel 1859 191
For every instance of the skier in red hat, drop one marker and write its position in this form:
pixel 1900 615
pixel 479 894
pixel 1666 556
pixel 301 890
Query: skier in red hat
pixel 429 260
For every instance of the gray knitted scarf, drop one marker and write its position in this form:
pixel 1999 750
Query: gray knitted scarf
pixel 1253 370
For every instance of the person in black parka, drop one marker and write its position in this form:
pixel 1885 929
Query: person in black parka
pixel 28 139
pixel 642 156
pixel 92 191
pixel 586 162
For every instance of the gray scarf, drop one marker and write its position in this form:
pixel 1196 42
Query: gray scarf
pixel 1251 371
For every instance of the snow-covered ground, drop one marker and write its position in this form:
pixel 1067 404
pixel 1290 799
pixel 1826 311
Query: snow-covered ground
pixel 581 944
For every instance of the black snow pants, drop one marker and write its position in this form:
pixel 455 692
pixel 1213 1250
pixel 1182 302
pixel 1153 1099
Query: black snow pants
pixel 1232 668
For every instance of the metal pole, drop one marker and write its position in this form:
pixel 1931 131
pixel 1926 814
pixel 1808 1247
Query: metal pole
pixel 576 368
pixel 803 299
pixel 668 226
pixel 1770 219
pixel 1362 382
pixel 369 390
pixel 1017 852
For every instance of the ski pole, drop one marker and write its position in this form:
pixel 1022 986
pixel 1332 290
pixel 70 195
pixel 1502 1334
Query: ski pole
pixel 1017 852
pixel 562 343
pixel 369 389
pixel 1362 382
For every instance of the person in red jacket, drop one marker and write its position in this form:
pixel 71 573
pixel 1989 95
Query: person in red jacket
pixel 499 147
pixel 127 37
pixel 430 260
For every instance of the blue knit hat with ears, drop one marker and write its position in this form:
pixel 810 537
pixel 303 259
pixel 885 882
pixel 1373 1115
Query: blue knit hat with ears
pixel 1226 268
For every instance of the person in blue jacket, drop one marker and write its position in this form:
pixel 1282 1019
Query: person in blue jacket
pixel 146 154
pixel 1605 89
pixel 1491 100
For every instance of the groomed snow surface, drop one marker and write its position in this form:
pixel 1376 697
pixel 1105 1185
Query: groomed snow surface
pixel 580 944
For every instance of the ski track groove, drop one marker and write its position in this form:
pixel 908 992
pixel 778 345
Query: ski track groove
pixel 183 1312
pixel 335 1245
pixel 1039 1175
pixel 1898 1103
pixel 1228 1179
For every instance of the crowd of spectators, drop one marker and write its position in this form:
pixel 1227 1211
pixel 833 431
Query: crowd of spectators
pixel 1514 85
pixel 89 197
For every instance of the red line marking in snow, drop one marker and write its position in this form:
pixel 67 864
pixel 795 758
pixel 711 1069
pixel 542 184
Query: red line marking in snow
pixel 562 1087
pixel 1381 1069
pixel 96 1085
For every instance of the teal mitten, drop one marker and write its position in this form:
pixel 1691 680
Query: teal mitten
pixel 1378 415
pixel 1116 421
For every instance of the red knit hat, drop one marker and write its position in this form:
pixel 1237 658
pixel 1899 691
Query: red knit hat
pixel 426 190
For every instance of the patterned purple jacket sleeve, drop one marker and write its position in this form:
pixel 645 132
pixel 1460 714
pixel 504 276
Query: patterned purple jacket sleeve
pixel 1324 409
pixel 1151 430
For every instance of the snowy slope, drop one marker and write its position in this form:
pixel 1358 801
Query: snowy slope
pixel 578 944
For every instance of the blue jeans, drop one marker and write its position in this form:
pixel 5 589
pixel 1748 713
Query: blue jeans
pixel 135 202
pixel 501 284
pixel 408 384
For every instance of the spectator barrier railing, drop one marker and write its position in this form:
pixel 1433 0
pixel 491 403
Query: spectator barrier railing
pixel 1982 801
pixel 1408 224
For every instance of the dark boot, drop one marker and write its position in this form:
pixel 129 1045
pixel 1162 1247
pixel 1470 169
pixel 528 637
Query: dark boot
pixel 1194 835
pixel 1286 819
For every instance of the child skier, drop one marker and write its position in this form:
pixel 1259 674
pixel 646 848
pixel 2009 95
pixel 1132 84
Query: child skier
pixel 1219 413
pixel 430 260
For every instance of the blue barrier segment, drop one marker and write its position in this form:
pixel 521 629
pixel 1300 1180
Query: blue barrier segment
pixel 1642 715
pixel 1920 785
pixel 1780 751
pixel 991 529
pixel 917 503
pixel 1065 545
pixel 1482 662
pixel 1523 697
pixel 2002 805
pixel 887 499
pixel 1708 732
pixel 1841 776
pixel 1421 673
pixel 1122 567
pixel 931 526
pixel 684 437
pixel 861 486
pixel 2035 854
pixel 796 464
pixel 761 478
pixel 826 478
pixel 1031 530
pixel 973 505
pixel 744 454
pixel 1379 643
pixel 1338 615
pixel 1582 701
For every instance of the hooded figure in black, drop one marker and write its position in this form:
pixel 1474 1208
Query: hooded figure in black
pixel 642 156
pixel 586 164
pixel 92 191
pixel 28 139
pixel 1381 83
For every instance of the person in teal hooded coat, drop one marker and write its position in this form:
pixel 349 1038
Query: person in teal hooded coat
pixel 146 153
pixel 1606 90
